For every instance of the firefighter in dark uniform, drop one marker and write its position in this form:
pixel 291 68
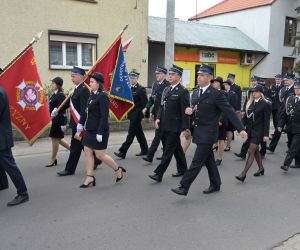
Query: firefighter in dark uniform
pixel 155 99
pixel 291 118
pixel 284 93
pixel 207 110
pixel 275 89
pixel 7 161
pixel 79 100
pixel 237 89
pixel 172 119
pixel 3 177
pixel 135 117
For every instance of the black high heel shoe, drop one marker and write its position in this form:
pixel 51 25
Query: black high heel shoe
pixel 242 179
pixel 52 164
pixel 259 172
pixel 89 184
pixel 227 149
pixel 123 170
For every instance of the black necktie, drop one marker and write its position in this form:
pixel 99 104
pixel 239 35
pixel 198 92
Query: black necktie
pixel 200 93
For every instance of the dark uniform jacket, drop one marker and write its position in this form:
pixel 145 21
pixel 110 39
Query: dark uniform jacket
pixel 140 101
pixel 207 111
pixel 79 99
pixel 54 102
pixel 275 96
pixel 257 119
pixel 237 89
pixel 6 138
pixel 171 112
pixel 156 94
pixel 97 112
pixel 291 116
pixel 284 94
pixel 233 99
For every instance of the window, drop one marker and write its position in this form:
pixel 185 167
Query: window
pixel 68 49
pixel 287 65
pixel 290 31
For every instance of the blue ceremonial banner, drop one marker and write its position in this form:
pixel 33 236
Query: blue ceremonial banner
pixel 120 86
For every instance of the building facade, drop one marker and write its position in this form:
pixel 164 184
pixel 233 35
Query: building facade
pixel 76 32
pixel 226 49
pixel 271 23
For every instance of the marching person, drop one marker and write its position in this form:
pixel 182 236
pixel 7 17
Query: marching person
pixel 230 129
pixel 245 146
pixel 217 83
pixel 59 122
pixel 207 110
pixel 135 117
pixel 284 93
pixel 257 121
pixel 95 121
pixel 275 90
pixel 172 119
pixel 7 161
pixel 77 105
pixel 155 100
pixel 3 179
pixel 291 118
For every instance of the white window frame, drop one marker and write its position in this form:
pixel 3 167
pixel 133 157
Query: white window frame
pixel 73 39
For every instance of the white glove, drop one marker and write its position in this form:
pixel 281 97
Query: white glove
pixel 54 112
pixel 63 128
pixel 79 128
pixel 99 138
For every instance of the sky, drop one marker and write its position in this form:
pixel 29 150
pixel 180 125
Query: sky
pixel 184 9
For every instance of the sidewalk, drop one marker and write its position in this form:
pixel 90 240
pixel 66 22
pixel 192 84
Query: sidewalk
pixel 43 145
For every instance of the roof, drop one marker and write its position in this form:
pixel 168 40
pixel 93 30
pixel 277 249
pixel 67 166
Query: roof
pixel 227 6
pixel 203 35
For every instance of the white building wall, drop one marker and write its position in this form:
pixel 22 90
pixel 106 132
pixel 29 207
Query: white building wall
pixel 265 25
pixel 253 22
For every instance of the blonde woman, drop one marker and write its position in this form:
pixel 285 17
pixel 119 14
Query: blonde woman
pixel 257 122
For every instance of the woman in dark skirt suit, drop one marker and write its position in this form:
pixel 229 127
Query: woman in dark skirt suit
pixel 58 122
pixel 257 122
pixel 97 131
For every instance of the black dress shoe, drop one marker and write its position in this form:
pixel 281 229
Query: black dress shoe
pixel 295 166
pixel 120 155
pixel 240 155
pixel 155 177
pixel 180 190
pixel 97 163
pixel 178 174
pixel 159 158
pixel 218 162
pixel 271 149
pixel 3 187
pixel 285 168
pixel 211 189
pixel 141 154
pixel 148 159
pixel 227 149
pixel 64 173
pixel 21 198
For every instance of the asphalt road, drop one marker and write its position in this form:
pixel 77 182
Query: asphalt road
pixel 139 214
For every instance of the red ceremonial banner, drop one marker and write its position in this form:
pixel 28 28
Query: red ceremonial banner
pixel 27 100
pixel 106 64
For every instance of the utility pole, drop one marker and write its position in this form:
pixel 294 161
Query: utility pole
pixel 170 30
